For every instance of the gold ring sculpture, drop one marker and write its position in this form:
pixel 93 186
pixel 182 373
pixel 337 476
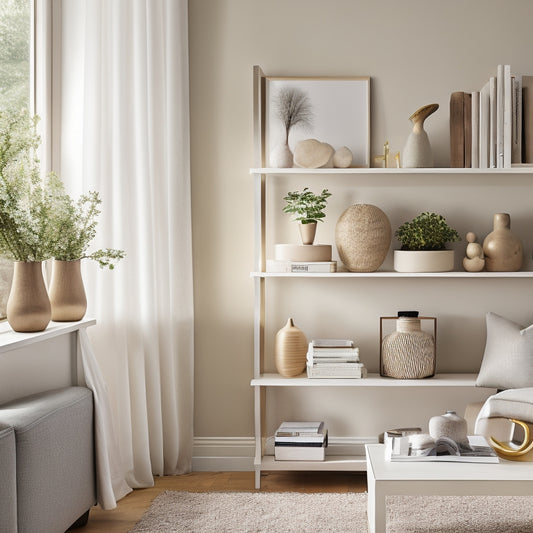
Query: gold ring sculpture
pixel 511 451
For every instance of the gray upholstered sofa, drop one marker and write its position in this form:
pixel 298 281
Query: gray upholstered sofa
pixel 47 461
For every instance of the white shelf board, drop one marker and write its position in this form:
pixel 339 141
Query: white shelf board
pixel 393 274
pixel 350 171
pixel 333 462
pixel 11 340
pixel 373 380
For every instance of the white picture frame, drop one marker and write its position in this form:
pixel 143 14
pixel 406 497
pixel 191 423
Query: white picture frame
pixel 341 114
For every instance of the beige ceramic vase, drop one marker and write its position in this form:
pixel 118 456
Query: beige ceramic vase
pixel 409 352
pixel 417 150
pixel 28 305
pixel 67 294
pixel 503 250
pixel 290 350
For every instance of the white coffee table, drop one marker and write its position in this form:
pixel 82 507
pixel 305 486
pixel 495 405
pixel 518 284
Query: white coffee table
pixel 385 478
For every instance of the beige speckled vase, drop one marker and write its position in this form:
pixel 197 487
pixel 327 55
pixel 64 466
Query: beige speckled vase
pixel 503 250
pixel 28 305
pixel 409 352
pixel 67 294
pixel 290 350
pixel 449 425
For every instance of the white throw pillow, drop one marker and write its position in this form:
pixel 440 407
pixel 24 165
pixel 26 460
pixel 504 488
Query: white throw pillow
pixel 508 358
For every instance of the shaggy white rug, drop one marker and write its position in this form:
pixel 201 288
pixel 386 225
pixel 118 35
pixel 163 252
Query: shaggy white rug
pixel 291 512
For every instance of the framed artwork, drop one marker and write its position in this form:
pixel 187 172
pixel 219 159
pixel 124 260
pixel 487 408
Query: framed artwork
pixel 339 114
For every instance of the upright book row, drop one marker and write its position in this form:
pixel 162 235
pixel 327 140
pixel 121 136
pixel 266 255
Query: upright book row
pixel 493 127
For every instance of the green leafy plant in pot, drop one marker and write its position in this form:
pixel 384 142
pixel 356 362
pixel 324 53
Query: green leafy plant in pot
pixel 423 241
pixel 307 208
pixel 74 228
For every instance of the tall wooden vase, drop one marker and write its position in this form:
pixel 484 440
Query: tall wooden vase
pixel 28 305
pixel 502 248
pixel 290 351
pixel 67 294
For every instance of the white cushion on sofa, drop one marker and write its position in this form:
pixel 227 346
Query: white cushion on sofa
pixel 512 403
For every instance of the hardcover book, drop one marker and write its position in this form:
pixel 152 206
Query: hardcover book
pixel 457 132
pixel 527 121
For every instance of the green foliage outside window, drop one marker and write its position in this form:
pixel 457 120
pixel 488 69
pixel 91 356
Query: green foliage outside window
pixel 15 64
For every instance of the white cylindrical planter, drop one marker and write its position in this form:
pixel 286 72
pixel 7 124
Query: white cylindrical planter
pixel 423 261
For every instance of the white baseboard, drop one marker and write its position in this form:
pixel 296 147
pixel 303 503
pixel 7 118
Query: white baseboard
pixel 236 454
pixel 223 454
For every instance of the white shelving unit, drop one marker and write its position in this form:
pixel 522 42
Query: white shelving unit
pixel 372 380
pixel 393 274
pixel 520 169
pixel 261 380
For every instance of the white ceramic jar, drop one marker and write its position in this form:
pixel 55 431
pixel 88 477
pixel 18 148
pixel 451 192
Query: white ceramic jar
pixel 449 425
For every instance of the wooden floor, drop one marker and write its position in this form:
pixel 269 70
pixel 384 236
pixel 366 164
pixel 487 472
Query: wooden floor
pixel 131 508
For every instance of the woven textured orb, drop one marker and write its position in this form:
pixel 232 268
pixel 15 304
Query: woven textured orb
pixel 363 237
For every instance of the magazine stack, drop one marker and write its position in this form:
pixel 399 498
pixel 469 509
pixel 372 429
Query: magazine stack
pixel 334 358
pixel 300 441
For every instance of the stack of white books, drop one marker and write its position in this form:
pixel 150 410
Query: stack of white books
pixel 334 358
pixel 300 441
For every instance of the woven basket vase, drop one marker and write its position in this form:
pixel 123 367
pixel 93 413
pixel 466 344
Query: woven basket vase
pixel 290 350
pixel 363 237
pixel 408 352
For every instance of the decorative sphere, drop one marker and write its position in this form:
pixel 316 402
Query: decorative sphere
pixel 363 237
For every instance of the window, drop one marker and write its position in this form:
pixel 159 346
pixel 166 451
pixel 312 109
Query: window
pixel 16 20
pixel 16 82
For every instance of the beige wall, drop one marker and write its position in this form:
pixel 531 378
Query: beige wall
pixel 416 52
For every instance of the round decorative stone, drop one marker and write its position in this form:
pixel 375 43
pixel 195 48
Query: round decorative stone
pixel 363 237
pixel 311 153
pixel 342 158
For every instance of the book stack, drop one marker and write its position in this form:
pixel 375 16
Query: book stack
pixel 490 127
pixel 334 358
pixel 300 441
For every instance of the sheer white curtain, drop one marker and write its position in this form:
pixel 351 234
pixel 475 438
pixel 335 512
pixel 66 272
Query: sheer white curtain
pixel 125 133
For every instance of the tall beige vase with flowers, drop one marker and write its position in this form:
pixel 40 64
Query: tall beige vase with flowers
pixel 25 229
pixel 75 223
pixel 28 305
pixel 67 293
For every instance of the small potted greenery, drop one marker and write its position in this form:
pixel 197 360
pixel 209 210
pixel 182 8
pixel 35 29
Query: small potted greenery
pixel 307 208
pixel 423 241
pixel 74 228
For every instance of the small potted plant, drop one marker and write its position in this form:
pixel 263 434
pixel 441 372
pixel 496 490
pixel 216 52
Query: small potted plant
pixel 73 226
pixel 423 241
pixel 308 209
